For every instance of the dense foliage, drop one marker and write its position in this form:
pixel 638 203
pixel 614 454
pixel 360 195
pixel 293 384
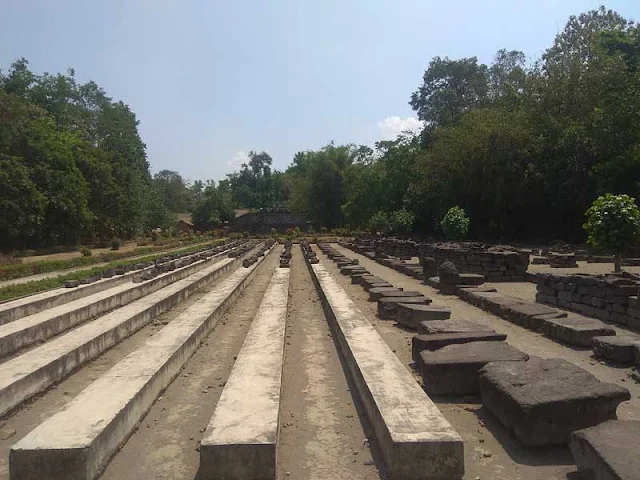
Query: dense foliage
pixel 523 148
pixel 455 224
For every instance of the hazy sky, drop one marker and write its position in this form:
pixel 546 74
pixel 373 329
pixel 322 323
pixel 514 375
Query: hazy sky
pixel 211 80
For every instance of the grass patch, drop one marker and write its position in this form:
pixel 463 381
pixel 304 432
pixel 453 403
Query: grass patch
pixel 20 270
pixel 20 290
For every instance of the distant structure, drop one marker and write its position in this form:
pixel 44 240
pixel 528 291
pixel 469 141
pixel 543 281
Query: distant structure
pixel 184 223
pixel 266 219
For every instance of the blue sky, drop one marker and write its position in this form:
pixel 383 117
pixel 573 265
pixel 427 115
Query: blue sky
pixel 211 80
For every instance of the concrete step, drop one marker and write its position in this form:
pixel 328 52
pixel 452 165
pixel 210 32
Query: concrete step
pixel 77 442
pixel 240 441
pixel 22 307
pixel 48 323
pixel 37 369
pixel 416 441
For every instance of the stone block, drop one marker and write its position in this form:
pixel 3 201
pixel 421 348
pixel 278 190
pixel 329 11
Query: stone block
pixel 410 314
pixel 419 343
pixel 454 369
pixel 387 307
pixel 577 331
pixel 544 401
pixel 453 325
pixel 618 348
pixel 391 293
pixel 607 451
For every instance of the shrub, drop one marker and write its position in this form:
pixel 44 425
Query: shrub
pixel 455 224
pixel 613 224
pixel 86 252
pixel 380 223
pixel 154 236
pixel 115 243
pixel 402 221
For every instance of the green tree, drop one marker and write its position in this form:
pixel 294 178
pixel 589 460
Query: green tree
pixel 455 224
pixel 613 224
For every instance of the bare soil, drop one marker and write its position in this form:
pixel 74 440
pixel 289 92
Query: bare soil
pixel 491 451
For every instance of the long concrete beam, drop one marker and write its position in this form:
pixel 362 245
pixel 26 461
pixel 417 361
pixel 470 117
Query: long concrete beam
pixel 37 369
pixel 48 323
pixel 240 441
pixel 416 441
pixel 28 305
pixel 77 442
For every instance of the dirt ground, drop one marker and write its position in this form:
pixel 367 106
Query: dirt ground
pixel 491 451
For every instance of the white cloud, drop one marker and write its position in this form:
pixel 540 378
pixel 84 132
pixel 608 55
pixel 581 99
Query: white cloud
pixel 393 126
pixel 238 159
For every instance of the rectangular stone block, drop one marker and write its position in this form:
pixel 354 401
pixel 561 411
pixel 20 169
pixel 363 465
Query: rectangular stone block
pixel 454 325
pixel 544 401
pixel 419 343
pixel 388 307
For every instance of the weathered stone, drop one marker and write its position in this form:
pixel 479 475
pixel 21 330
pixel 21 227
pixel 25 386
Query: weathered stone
pixel 454 369
pixel 374 293
pixel 448 274
pixel 420 343
pixel 453 325
pixel 429 267
pixel 411 315
pixel 544 401
pixel 72 283
pixel 577 331
pixel 608 451
pixel 470 279
pixel 387 307
pixel 618 348
pixel 391 293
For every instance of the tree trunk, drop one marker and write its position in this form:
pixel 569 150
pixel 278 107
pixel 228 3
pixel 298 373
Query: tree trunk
pixel 617 266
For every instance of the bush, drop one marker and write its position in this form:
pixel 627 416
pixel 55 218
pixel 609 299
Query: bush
pixel 115 243
pixel 154 236
pixel 613 224
pixel 402 221
pixel 380 223
pixel 86 252
pixel 455 224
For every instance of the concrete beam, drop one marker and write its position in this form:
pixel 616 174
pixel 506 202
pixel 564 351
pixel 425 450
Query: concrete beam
pixel 48 323
pixel 416 441
pixel 37 369
pixel 240 441
pixel 77 442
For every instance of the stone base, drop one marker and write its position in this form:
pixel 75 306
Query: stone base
pixel 608 451
pixel 454 369
pixel 454 325
pixel 544 401
pixel 619 349
pixel 421 343
pixel 388 307
pixel 374 293
pixel 410 314
pixel 394 294
pixel 576 331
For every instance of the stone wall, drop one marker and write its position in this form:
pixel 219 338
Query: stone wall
pixel 606 297
pixel 496 263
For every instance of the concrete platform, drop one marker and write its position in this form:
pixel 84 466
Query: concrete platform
pixel 48 323
pixel 388 306
pixel 77 442
pixel 420 343
pixel 416 441
pixel 576 331
pixel 608 451
pixel 411 314
pixel 37 369
pixel 454 369
pixel 618 348
pixel 454 325
pixel 544 401
pixel 240 441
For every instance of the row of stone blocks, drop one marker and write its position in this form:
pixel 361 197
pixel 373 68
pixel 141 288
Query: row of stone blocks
pixel 525 394
pixel 606 297
pixel 544 402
